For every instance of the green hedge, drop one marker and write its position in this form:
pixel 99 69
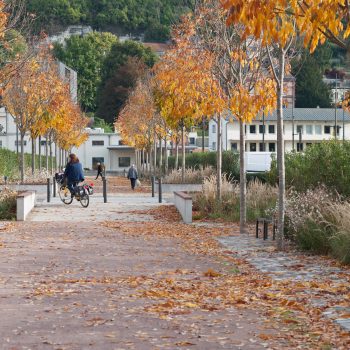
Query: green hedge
pixel 325 163
pixel 9 163
pixel 230 162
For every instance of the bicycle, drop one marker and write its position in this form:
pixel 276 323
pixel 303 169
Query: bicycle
pixel 81 193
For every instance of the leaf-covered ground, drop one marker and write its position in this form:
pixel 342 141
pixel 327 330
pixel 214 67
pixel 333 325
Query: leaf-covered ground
pixel 154 284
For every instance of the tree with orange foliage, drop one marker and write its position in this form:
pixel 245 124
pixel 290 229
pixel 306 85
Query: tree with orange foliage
pixel 277 23
pixel 186 87
pixel 238 66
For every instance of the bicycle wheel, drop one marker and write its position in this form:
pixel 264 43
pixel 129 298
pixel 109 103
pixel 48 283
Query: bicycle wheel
pixel 84 200
pixel 65 195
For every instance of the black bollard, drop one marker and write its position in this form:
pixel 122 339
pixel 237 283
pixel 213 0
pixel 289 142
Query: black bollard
pixel 153 180
pixel 48 190
pixel 104 181
pixel 160 190
pixel 54 187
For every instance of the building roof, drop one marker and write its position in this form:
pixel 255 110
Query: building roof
pixel 310 114
pixel 121 147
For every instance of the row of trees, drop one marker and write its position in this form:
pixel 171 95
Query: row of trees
pixel 230 59
pixel 37 97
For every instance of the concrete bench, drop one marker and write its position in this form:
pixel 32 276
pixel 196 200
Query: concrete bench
pixel 25 204
pixel 183 203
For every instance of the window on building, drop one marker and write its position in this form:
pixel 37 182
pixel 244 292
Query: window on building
pixel 327 129
pixel 309 129
pixel 252 129
pixel 98 142
pixel 213 128
pixel 252 147
pixel 261 147
pixel 271 129
pixel 0 143
pixel 213 146
pixel 43 143
pixel 96 160
pixel 318 129
pixel 19 143
pixel 192 140
pixel 300 147
pixel 272 147
pixel 124 162
pixel 262 129
pixel 338 129
pixel 234 146
pixel 299 129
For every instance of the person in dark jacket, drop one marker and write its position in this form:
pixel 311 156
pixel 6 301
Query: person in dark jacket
pixel 133 176
pixel 100 169
pixel 73 173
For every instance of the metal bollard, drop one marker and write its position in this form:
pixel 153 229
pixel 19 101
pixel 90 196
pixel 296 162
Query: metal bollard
pixel 160 190
pixel 54 185
pixel 153 180
pixel 48 190
pixel 104 181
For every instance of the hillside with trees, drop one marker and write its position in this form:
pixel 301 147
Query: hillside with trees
pixel 151 17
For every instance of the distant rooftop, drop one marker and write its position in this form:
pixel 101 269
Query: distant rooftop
pixel 310 114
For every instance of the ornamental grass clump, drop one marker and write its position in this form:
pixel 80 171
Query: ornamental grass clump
pixel 260 198
pixel 192 175
pixel 7 204
pixel 319 221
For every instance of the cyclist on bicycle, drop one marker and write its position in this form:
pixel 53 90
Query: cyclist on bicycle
pixel 73 173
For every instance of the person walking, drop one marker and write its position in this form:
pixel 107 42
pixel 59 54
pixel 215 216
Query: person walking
pixel 133 176
pixel 100 168
pixel 73 173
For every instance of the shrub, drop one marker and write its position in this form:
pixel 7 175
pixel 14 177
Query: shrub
pixel 319 221
pixel 325 163
pixel 197 160
pixel 9 165
pixel 7 204
pixel 192 176
pixel 260 198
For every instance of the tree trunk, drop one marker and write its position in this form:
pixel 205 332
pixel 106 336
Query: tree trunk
pixel 183 166
pixel 40 162
pixel 47 154
pixel 219 161
pixel 243 180
pixel 51 160
pixel 166 155
pixel 160 156
pixel 22 162
pixel 33 156
pixel 143 160
pixel 148 159
pixel 177 154
pixel 280 153
pixel 55 157
pixel 155 157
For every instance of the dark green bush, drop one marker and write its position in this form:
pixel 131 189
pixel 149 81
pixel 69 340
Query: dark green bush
pixel 325 163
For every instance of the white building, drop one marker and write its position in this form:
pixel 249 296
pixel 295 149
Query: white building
pixel 106 148
pixel 311 125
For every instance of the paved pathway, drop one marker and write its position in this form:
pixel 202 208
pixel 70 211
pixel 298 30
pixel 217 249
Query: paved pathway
pixel 293 266
pixel 69 283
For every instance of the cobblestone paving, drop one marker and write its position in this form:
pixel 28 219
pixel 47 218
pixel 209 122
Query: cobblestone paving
pixel 293 266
